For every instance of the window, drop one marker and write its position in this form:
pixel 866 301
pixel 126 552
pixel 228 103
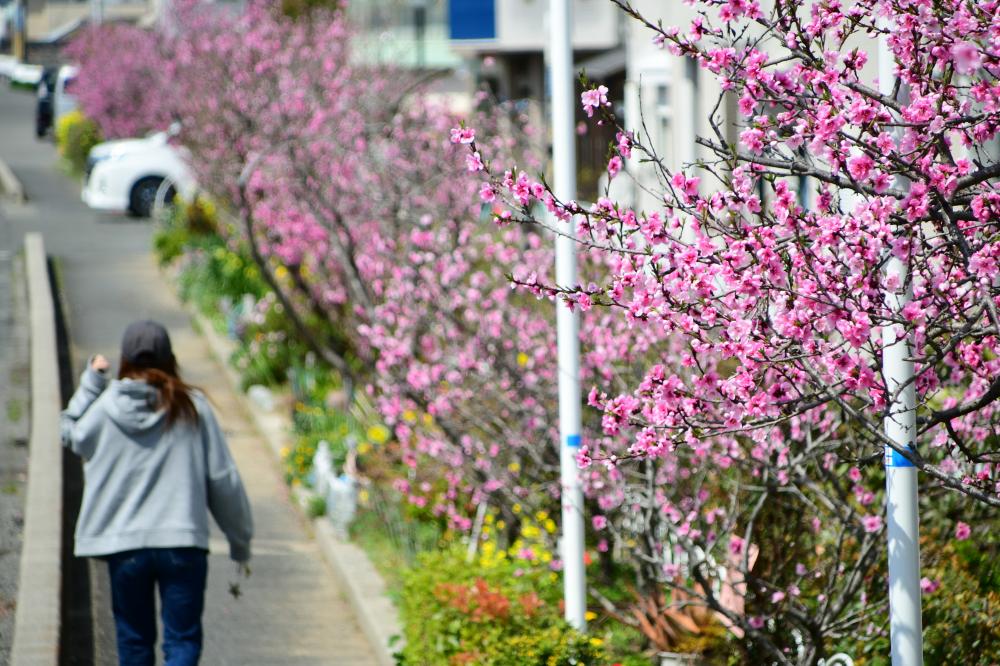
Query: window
pixel 664 123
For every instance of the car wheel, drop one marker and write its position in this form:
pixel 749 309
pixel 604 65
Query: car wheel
pixel 164 200
pixel 143 196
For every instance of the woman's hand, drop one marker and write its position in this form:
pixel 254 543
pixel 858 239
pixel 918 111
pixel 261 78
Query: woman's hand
pixel 99 363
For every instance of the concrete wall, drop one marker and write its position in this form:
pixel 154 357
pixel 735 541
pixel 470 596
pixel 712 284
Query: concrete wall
pixel 37 624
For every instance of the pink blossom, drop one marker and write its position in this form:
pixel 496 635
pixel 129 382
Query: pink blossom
pixel 753 139
pixel 967 57
pixel 860 167
pixel 594 99
pixel 486 193
pixel 463 135
pixel 474 162
pixel 624 144
pixel 872 523
pixel 614 165
pixel 962 531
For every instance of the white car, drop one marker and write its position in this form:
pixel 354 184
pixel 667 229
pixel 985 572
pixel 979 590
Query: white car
pixel 63 100
pixel 131 174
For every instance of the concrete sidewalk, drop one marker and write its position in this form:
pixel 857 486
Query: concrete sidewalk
pixel 292 611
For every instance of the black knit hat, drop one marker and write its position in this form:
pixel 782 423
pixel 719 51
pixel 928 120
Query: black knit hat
pixel 147 344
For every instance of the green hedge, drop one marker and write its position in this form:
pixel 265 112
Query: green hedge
pixel 76 134
pixel 504 614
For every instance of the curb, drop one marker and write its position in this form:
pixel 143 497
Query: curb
pixel 10 186
pixel 36 626
pixel 361 582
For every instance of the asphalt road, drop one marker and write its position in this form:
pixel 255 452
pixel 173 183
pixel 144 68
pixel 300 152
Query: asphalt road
pixel 291 611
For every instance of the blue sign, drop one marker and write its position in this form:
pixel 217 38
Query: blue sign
pixel 472 19
pixel 573 441
pixel 894 458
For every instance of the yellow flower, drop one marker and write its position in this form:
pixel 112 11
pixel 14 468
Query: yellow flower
pixel 284 452
pixel 590 616
pixel 428 419
pixel 596 642
pixel 364 447
pixel 514 467
pixel 550 526
pixel 516 508
pixel 281 272
pixel 409 416
pixel 541 515
pixel 488 519
pixel 501 524
pixel 522 359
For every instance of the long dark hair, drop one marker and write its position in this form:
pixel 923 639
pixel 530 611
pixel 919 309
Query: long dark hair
pixel 175 394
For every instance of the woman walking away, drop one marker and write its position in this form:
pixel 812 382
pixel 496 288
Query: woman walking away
pixel 155 465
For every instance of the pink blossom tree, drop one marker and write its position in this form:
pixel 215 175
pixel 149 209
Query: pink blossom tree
pixel 764 410
pixel 731 336
pixel 343 178
pixel 121 83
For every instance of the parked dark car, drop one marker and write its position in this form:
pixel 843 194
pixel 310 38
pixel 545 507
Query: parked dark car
pixel 43 107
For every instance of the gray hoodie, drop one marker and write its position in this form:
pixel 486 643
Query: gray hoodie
pixel 146 485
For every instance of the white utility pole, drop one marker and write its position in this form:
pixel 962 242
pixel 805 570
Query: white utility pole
pixel 561 78
pixel 905 626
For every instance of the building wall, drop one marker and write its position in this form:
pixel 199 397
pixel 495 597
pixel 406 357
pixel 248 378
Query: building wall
pixel 668 101
pixel 389 31
pixel 520 25
pixel 46 17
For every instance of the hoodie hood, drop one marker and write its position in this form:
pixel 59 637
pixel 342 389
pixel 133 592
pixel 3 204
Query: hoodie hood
pixel 132 405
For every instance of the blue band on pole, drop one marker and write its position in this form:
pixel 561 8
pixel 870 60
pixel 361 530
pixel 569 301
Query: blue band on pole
pixel 894 458
pixel 573 441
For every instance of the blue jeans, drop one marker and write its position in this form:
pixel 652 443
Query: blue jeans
pixel 180 573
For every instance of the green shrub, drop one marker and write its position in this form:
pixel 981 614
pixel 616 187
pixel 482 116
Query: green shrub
pixel 189 225
pixel 302 9
pixel 214 272
pixel 316 507
pixel 500 614
pixel 959 615
pixel 76 134
pixel 268 347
